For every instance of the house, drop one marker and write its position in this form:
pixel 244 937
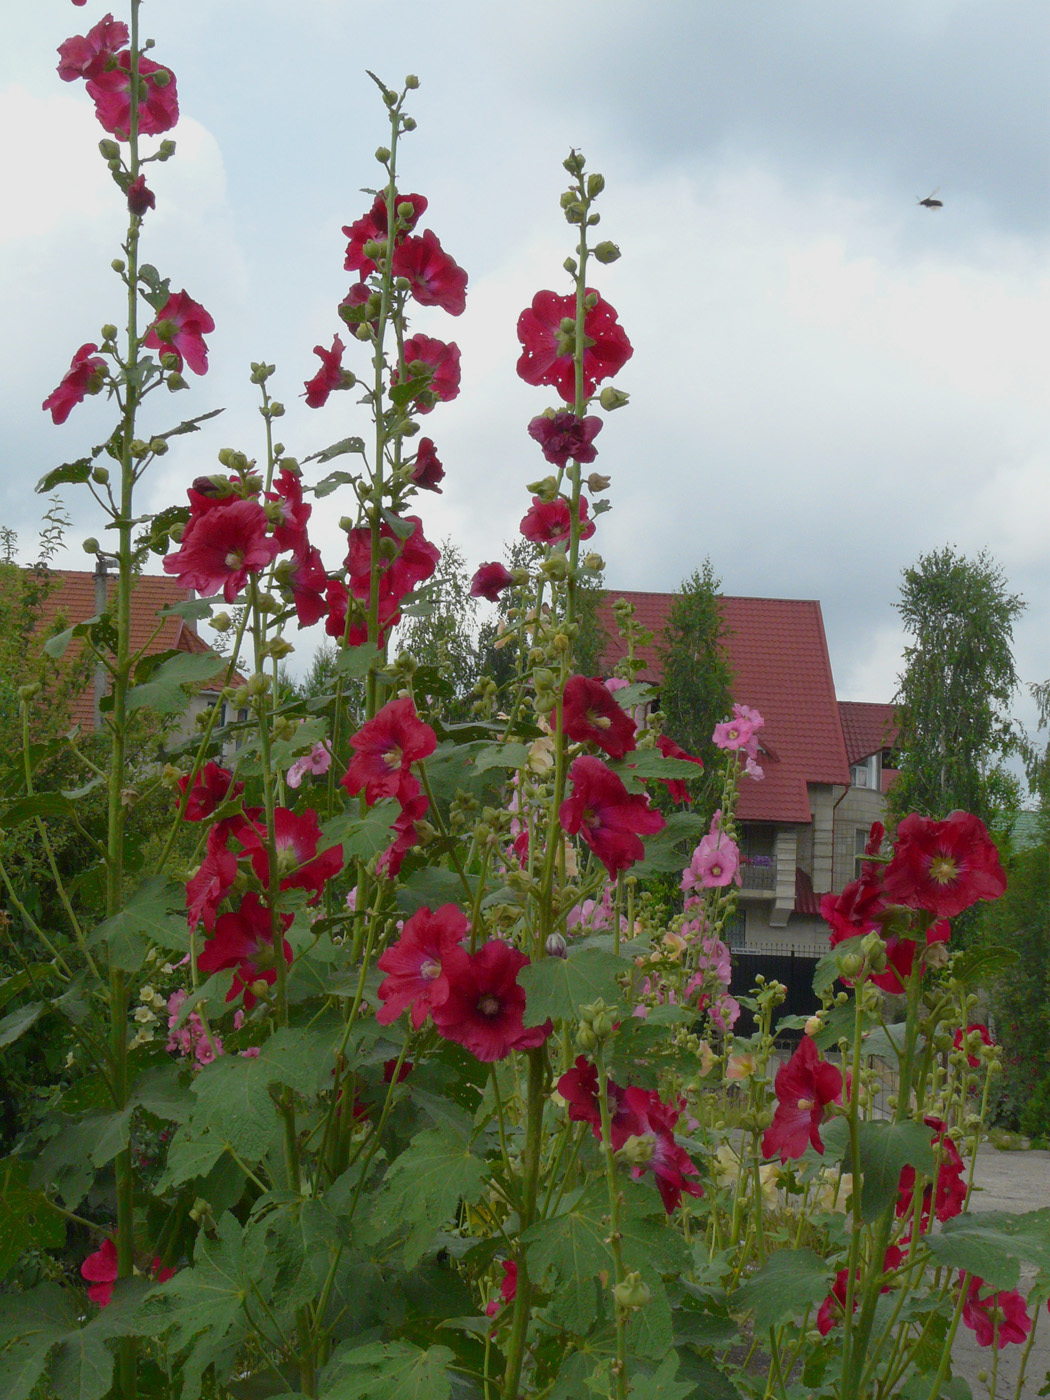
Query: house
pixel 826 762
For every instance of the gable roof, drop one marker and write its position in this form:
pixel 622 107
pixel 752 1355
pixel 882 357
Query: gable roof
pixel 71 599
pixel 867 727
pixel 778 654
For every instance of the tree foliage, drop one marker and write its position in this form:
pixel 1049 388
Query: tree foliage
pixel 696 692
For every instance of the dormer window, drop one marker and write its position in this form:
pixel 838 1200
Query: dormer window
pixel 866 773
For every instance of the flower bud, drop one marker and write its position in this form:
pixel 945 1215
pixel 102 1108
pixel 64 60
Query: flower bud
pixel 585 1037
pixel 556 566
pixel 259 684
pixel 590 301
pixel 382 155
pixel 638 1149
pixel 598 482
pixel 108 150
pixel 570 266
pixel 27 692
pixel 100 475
pixel 408 123
pixel 813 1026
pixel 611 398
pixel 595 185
pixel 555 946
pixel 109 332
pixel 176 382
pixel 158 446
pixel 221 622
pixel 411 82
pixel 573 163
pixel 851 965
pixel 632 1292
pixel 165 151
pixel 606 252
pixel 91 545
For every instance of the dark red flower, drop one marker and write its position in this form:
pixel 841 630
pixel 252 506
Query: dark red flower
pixel 220 549
pixel 328 377
pixel 243 940
pixel 579 1088
pixel 804 1086
pixel 677 788
pixel 307 578
pixel 404 563
pixel 179 330
pixel 100 1270
pixel 508 1288
pixel 833 1308
pixel 289 512
pixel 338 600
pixel 140 197
pixel 213 880
pixel 484 1010
pixel 111 94
pixel 590 715
pixel 490 581
pixel 943 866
pixel 669 1163
pixel 296 836
pixel 948 1197
pixel 427 470
pixel 373 226
pixel 435 279
pixel 997 1320
pixel 609 818
pixel 211 788
pixel 88 55
pixel 84 376
pixel 414 964
pixel 434 358
pixel 548 340
pixel 562 435
pixel 900 951
pixel 549 522
pixel 973 1061
pixel 385 749
pixel 406 833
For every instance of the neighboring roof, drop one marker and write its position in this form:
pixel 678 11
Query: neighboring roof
pixel 778 654
pixel 71 599
pixel 867 727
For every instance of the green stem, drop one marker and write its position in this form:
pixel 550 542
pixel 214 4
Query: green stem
pixel 529 1190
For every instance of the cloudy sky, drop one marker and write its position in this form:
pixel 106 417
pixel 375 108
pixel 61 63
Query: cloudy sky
pixel 828 379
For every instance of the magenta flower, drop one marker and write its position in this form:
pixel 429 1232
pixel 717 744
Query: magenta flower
pixel 243 940
pixel 733 734
pixel 609 818
pixel 677 789
pixel 180 329
pixel 999 1319
pixel 84 376
pixel 427 470
pixel 221 548
pixel 590 715
pixel 140 197
pixel 88 56
pixel 373 227
pixel 100 1270
pixel 548 340
pixel 414 964
pixel 804 1086
pixel 211 788
pixel 484 1010
pixel 423 354
pixel 562 435
pixel 328 377
pixel 385 749
pixel 317 761
pixel 550 522
pixel 111 94
pixel 490 581
pixel 434 278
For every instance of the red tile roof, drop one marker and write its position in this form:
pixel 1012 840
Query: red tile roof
pixel 72 600
pixel 867 727
pixel 779 657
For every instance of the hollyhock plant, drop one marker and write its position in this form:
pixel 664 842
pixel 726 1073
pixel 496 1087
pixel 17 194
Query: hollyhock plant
pixel 562 435
pixel 550 522
pixel 296 836
pixel 434 278
pixel 669 1163
pixel 140 197
pixel 211 787
pixel 714 863
pixel 484 1010
pixel 328 377
pixel 677 788
pixel 374 226
pixel 804 1086
pixel 414 965
pixel 85 376
pixel 735 733
pixel 547 332
pixel 406 833
pixel 946 1198
pixel 489 581
pixel 411 560
pixel 243 940
pixel 100 1270
pixel 306 577
pixel 961 1037
pixel 317 761
pixel 289 512
pixel 833 1308
pixel 110 92
pixel 89 55
pixel 999 1319
pixel 579 1088
pixel 209 886
pixel 609 818
pixel 438 360
pixel 179 330
pixel 385 749
pixel 508 1288
pixel 427 472
pixel 943 866
pixel 590 715
pixel 220 549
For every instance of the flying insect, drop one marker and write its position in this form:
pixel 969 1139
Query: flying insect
pixel 930 203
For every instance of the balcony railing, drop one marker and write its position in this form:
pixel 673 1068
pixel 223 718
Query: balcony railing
pixel 758 873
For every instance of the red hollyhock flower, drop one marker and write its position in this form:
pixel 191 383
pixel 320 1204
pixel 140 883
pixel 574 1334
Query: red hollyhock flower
pixel 609 818
pixel 140 197
pixel 111 94
pixel 414 964
pixel 211 788
pixel 833 1308
pixel 997 1320
pixel 243 940
pixel 484 1010
pixel 562 435
pixel 943 866
pixel 590 715
pixel 220 549
pixel 900 952
pixel 100 1270
pixel 328 377
pixel 406 833
pixel 180 329
pixel 948 1197
pixel 974 1061
pixel 412 561
pixel 206 890
pixel 88 55
pixel 374 226
pixel 442 362
pixel 291 512
pixel 508 1288
pixel 295 838
pixel 435 279
pixel 490 581
pixel 549 522
pixel 84 376
pixel 548 342
pixel 338 600
pixel 427 470
pixel 677 788
pixel 804 1086
pixel 308 581
pixel 579 1088
pixel 385 749
pixel 669 1163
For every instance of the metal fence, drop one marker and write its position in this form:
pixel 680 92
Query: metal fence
pixel 791 966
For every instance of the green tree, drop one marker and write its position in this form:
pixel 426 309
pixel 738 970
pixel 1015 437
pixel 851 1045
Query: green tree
pixel 959 678
pixel 696 691
pixel 440 632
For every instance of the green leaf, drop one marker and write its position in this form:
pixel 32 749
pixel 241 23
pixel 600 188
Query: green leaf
pixel 567 1252
pixel 424 1186
pixel 360 836
pixel 827 969
pixel 661 1384
pixel 17 1022
pixel 337 449
pixel 976 966
pixel 160 1092
pixel 69 473
pixel 388 1371
pixel 26 809
pixel 885 1150
pixel 82 1367
pixel 783 1286
pixel 509 755
pixel 145 919
pixel 431 887
pixel 558 987
pixel 356 662
pixel 29 1220
pixel 163 692
pixel 650 763
pixel 31 1324
pixel 993 1245
pixel 665 853
pixel 190 425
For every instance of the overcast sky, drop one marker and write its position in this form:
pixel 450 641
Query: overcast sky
pixel 828 379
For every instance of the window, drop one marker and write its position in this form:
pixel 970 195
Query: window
pixel 734 931
pixel 866 773
pixel 860 840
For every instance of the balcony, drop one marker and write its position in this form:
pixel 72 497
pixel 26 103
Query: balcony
pixel 758 873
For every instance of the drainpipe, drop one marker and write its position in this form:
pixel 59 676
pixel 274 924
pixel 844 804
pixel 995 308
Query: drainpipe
pixel 834 818
pixel 102 563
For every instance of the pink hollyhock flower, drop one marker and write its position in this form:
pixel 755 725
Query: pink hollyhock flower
pixel 100 1270
pixel 714 864
pixel 385 749
pixel 434 278
pixel 997 1320
pixel 374 226
pixel 140 197
pixel 220 549
pixel 88 56
pixel 243 940
pixel 733 734
pixel 609 819
pixel 111 94
pixel 406 833
pixel 943 866
pixel 85 376
pixel 833 1308
pixel 427 470
pixel 804 1086
pixel 563 435
pixel 548 340
pixel 748 715
pixel 945 1199
pixel 550 522
pixel 974 1061
pixel 317 761
pixel 754 770
pixel 328 377
pixel 211 788
pixel 295 837
pixel 669 1163
pixel 508 1288
pixel 425 355
pixel 414 964
pixel 677 788
pixel 484 1010
pixel 180 329
pixel 590 715
pixel 490 581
